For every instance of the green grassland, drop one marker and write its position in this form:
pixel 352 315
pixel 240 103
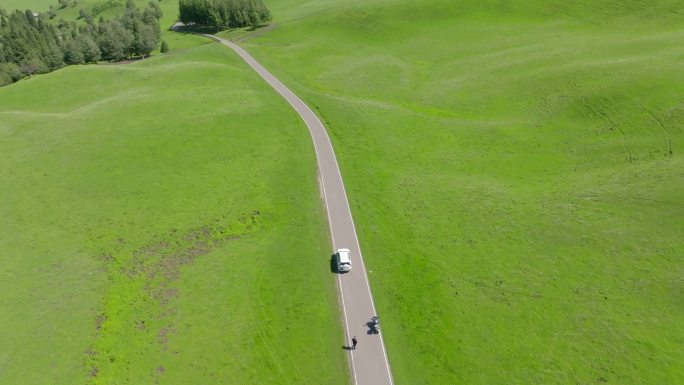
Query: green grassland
pixel 34 5
pixel 516 173
pixel 161 223
pixel 170 8
pixel 514 168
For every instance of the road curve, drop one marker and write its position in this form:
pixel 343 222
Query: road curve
pixel 369 361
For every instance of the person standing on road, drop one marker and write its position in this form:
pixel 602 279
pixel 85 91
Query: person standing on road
pixel 354 341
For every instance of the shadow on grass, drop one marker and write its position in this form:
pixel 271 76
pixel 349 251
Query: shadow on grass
pixel 129 60
pixel 333 265
pixel 255 27
pixel 193 30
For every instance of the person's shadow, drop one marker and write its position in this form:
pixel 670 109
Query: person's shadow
pixel 347 347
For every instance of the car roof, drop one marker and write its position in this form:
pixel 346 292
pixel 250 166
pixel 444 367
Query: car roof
pixel 344 255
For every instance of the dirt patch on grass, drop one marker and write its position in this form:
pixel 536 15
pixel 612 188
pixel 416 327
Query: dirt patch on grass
pixel 99 321
pixel 93 372
pixel 163 335
pixel 142 292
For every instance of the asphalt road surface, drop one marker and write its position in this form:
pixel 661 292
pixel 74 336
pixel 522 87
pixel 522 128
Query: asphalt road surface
pixel 369 360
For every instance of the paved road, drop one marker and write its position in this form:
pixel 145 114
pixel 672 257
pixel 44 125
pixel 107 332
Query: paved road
pixel 369 360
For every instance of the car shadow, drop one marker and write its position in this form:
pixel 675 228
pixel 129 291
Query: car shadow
pixel 333 265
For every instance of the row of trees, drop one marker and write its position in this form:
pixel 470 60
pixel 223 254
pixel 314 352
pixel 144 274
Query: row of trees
pixel 223 14
pixel 30 44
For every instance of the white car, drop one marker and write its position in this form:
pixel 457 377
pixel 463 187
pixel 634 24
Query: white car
pixel 343 260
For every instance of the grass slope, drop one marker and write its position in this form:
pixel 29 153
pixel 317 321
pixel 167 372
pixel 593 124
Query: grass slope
pixel 34 5
pixel 161 224
pixel 516 172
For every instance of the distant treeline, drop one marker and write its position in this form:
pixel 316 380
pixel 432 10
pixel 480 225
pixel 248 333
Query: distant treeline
pixel 223 14
pixel 32 44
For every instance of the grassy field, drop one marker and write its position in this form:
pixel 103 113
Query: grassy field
pixel 34 5
pixel 516 174
pixel 161 223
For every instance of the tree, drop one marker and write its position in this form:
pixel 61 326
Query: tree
pixel 30 45
pixel 224 13
pixel 9 73
pixel 91 52
pixel 145 39
pixel 164 47
pixel 54 57
pixel 32 66
pixel 155 10
pixel 86 15
pixel 29 17
pixel 115 42
pixel 73 53
pixel 144 27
